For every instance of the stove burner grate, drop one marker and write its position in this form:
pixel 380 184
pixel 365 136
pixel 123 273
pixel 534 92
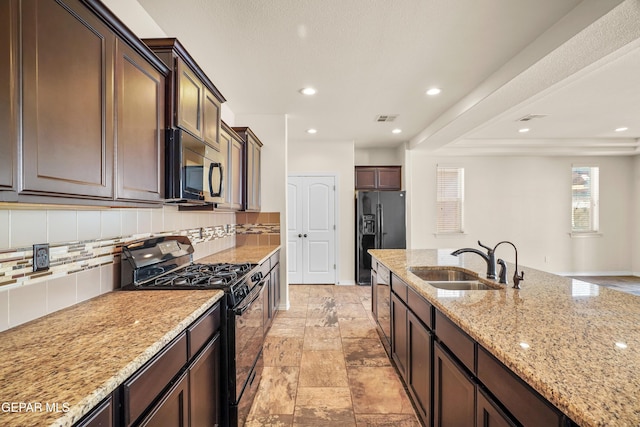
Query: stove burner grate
pixel 211 276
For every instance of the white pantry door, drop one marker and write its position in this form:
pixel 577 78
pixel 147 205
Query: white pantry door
pixel 311 237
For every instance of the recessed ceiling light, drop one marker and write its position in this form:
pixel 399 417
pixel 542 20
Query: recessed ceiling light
pixel 523 130
pixel 308 91
pixel 396 131
pixel 622 129
pixel 433 91
pixel 312 131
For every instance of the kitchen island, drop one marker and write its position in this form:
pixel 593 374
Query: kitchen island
pixel 575 343
pixel 55 369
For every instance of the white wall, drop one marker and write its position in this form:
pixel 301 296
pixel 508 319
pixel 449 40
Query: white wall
pixel 134 16
pixel 272 131
pixel 528 200
pixel 635 222
pixel 378 156
pixel 332 158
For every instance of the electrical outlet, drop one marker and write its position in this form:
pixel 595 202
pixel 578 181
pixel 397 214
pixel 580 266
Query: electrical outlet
pixel 41 257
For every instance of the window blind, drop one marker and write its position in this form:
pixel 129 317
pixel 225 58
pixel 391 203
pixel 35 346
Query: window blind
pixel 585 198
pixel 449 202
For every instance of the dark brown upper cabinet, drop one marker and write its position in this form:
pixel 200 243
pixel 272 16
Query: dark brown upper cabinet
pixel 211 118
pixel 378 178
pixel 232 148
pixel 68 127
pixel 252 165
pixel 91 93
pixel 8 94
pixel 193 102
pixel 140 91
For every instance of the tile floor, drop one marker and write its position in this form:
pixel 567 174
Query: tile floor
pixel 325 365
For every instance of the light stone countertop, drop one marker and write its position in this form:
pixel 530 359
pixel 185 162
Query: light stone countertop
pixel 584 339
pixel 238 254
pixel 73 358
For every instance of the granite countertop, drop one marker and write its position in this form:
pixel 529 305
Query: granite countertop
pixel 583 340
pixel 72 359
pixel 238 254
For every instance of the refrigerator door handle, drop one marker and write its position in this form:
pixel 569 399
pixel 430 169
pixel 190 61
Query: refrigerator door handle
pixel 381 226
pixel 378 243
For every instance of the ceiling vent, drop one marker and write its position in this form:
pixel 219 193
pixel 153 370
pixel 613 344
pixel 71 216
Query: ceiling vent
pixel 529 117
pixel 386 117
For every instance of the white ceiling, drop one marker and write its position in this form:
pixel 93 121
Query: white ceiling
pixel 495 60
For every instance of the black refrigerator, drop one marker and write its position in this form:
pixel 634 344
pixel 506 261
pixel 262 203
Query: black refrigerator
pixel 380 224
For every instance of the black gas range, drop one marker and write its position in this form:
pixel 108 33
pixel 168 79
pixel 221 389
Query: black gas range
pixel 166 263
pixel 163 263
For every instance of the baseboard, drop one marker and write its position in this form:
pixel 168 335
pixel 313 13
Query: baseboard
pixel 284 306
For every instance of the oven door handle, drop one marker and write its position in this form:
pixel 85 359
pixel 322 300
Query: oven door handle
pixel 240 310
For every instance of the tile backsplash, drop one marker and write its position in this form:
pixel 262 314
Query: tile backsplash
pixel 85 246
pixel 85 250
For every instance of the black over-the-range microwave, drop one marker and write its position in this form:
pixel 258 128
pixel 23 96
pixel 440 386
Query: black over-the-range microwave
pixel 194 170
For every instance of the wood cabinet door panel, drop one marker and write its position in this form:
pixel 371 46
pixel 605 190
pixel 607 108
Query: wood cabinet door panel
pixel 190 100
pixel 419 369
pixel 454 392
pixel 389 178
pixel 67 102
pixel 100 416
pixel 237 173
pixel 145 385
pixel 204 386
pixel 399 344
pixel 255 195
pixel 365 178
pixel 8 93
pixel 173 409
pixel 489 415
pixel 211 119
pixel 140 126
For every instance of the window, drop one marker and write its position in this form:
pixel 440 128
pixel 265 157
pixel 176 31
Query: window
pixel 585 200
pixel 450 198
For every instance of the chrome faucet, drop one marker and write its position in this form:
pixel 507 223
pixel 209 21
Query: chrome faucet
pixel 517 278
pixel 489 257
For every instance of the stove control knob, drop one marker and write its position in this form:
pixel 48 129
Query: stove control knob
pixel 256 277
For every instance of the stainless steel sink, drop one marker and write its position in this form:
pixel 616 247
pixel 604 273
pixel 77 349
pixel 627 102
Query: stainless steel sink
pixel 455 280
pixel 468 285
pixel 442 274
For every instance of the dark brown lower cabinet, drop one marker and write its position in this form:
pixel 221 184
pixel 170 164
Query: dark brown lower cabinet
pixel 173 409
pixel 101 416
pixel 452 380
pixel 266 311
pixel 275 286
pixel 419 365
pixel 399 344
pixel 204 386
pixel 489 414
pixel 179 386
pixel 454 392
